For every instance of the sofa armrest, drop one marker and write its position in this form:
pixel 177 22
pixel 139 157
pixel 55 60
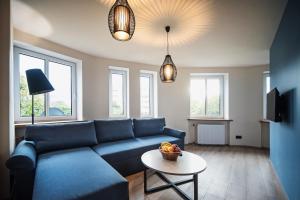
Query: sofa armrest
pixel 175 133
pixel 23 158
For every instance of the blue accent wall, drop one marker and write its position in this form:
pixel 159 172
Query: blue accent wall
pixel 285 75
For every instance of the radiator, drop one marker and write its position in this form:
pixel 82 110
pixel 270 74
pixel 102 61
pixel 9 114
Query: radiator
pixel 211 134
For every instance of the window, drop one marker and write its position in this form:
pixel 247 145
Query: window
pixel 59 104
pixel 118 92
pixel 266 90
pixel 148 93
pixel 207 95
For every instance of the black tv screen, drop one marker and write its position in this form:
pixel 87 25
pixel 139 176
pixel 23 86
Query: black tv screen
pixel 273 105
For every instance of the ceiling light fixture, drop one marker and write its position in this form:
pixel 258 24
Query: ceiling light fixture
pixel 168 71
pixel 121 21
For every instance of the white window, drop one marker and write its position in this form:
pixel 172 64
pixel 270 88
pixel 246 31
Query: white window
pixel 56 105
pixel 266 90
pixel 207 95
pixel 148 93
pixel 118 92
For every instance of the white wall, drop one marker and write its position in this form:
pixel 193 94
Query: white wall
pixel 245 91
pixel 5 98
pixel 245 101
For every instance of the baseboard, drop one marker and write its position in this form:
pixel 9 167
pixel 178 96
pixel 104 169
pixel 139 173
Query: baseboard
pixel 230 145
pixel 194 143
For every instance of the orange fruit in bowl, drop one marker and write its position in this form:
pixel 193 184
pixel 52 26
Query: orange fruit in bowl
pixel 165 148
pixel 170 149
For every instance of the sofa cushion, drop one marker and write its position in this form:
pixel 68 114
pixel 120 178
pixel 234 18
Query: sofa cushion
pixel 111 130
pixel 125 155
pixel 118 150
pixel 52 137
pixel 147 127
pixel 154 141
pixel 117 146
pixel 77 174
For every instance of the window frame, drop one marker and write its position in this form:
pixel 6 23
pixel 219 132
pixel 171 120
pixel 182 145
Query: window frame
pixel 17 50
pixel 152 75
pixel 222 99
pixel 123 71
pixel 265 75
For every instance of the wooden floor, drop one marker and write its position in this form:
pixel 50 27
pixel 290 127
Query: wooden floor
pixel 233 173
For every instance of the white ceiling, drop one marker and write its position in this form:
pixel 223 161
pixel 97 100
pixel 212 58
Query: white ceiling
pixel 204 33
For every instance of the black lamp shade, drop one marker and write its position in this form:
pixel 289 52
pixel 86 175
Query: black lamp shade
pixel 37 82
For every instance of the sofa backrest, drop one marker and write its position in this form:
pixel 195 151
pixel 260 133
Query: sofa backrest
pixel 52 137
pixel 148 127
pixel 111 130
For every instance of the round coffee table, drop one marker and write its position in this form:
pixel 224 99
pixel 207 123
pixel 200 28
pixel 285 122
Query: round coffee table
pixel 187 164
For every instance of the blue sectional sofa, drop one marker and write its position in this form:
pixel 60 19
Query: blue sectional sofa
pixel 84 160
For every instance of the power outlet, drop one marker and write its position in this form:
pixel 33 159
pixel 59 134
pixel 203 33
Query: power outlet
pixel 238 137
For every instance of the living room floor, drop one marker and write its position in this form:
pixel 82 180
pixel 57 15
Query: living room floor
pixel 233 173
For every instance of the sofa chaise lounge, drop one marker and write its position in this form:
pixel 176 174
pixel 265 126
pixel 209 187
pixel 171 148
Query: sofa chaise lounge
pixel 84 160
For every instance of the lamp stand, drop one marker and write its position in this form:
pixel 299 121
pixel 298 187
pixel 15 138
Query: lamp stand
pixel 32 111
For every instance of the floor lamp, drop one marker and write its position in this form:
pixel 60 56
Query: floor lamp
pixel 37 84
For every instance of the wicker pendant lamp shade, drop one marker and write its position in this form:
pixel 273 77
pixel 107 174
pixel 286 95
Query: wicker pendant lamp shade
pixel 121 21
pixel 168 71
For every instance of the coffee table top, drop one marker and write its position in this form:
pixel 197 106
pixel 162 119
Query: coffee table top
pixel 187 164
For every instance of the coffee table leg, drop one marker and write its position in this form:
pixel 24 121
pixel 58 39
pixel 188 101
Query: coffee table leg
pixel 172 185
pixel 145 180
pixel 195 176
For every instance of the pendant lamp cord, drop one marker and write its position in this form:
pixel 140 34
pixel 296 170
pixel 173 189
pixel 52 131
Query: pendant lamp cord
pixel 167 43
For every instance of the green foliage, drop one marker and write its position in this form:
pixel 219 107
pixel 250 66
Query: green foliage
pixel 26 101
pixel 213 107
pixel 197 108
pixel 39 102
pixel 117 108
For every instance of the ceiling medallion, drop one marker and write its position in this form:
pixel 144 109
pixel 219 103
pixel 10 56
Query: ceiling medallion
pixel 189 19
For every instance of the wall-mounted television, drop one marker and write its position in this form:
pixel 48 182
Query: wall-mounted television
pixel 273 106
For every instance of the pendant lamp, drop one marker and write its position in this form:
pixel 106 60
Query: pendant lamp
pixel 168 71
pixel 121 21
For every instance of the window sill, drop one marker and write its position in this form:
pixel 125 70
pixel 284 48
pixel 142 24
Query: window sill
pixel 23 125
pixel 208 119
pixel 264 121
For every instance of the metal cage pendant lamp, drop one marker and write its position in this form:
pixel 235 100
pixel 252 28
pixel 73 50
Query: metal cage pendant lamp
pixel 168 71
pixel 121 21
